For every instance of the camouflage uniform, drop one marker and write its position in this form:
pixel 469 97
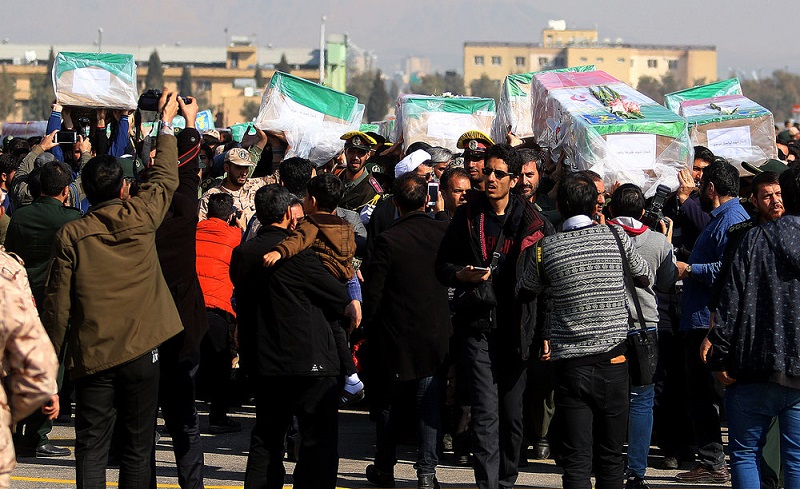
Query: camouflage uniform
pixel 29 362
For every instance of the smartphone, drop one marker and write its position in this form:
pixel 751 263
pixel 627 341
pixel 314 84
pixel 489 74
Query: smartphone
pixel 66 137
pixel 433 193
pixel 482 269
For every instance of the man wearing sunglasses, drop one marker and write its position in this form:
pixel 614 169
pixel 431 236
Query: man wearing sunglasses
pixel 474 144
pixel 359 186
pixel 486 239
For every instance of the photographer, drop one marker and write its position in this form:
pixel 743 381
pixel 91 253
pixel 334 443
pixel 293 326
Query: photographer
pixel 627 208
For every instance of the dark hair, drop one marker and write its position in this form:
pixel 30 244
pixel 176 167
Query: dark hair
pixel 724 176
pixel 703 153
pixel 272 202
pixel 508 154
pixel 410 192
pixel 8 163
pixel 593 175
pixel 55 176
pixel 763 179
pixel 528 155
pixel 577 195
pixel 627 201
pixel 220 206
pixel 35 182
pixel 793 149
pixel 451 173
pixel 102 179
pixel 328 191
pixel 295 173
pixel 34 140
pixel 418 145
pixel 790 188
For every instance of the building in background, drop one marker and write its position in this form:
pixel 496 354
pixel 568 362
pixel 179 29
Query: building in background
pixel 561 47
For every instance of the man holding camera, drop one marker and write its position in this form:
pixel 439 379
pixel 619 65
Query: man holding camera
pixel 115 322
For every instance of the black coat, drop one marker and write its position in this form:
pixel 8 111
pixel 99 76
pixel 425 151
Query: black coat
pixel 406 315
pixel 176 242
pixel 516 316
pixel 285 311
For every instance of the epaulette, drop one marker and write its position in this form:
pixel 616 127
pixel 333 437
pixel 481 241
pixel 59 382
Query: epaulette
pixel 742 226
pixel 375 185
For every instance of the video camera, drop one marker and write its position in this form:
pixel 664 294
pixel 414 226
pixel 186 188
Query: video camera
pixel 654 213
pixel 148 101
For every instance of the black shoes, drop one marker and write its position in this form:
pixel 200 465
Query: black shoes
pixel 50 450
pixel 224 425
pixel 427 481
pixel 379 477
pixel 636 483
pixel 542 449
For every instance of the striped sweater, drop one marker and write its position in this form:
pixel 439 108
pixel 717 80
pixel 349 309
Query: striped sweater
pixel 583 270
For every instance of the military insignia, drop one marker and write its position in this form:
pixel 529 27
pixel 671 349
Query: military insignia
pixel 375 185
pixel 356 141
pixel 473 145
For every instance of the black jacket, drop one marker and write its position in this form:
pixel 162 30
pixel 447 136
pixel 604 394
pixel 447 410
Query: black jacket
pixel 285 311
pixel 176 242
pixel 462 246
pixel 406 317
pixel 756 332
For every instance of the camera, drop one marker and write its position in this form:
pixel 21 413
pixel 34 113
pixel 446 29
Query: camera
pixel 148 101
pixel 85 126
pixel 654 213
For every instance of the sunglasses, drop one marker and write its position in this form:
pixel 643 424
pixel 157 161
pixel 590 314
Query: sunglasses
pixel 500 174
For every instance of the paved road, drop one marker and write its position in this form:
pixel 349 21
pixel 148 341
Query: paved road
pixel 226 455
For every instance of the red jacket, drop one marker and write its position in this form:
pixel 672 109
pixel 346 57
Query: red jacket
pixel 216 240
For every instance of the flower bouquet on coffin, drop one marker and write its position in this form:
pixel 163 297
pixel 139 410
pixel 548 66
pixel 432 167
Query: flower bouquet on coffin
pixel 615 104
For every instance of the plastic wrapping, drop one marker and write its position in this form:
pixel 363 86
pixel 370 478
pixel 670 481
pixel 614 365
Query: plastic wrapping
pixel 440 121
pixel 311 116
pixel 717 89
pixel 95 80
pixel 732 126
pixel 641 143
pixel 387 128
pixel 514 107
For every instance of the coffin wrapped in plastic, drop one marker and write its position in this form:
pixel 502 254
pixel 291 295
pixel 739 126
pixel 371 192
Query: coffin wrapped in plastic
pixel 592 121
pixel 440 121
pixel 95 80
pixel 514 107
pixel 717 89
pixel 732 126
pixel 312 117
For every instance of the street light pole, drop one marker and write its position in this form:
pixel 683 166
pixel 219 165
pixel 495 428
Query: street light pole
pixel 322 51
pixel 99 39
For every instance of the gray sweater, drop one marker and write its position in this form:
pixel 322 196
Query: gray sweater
pixel 583 272
pixel 657 252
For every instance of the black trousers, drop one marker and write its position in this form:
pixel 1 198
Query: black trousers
pixel 497 383
pixel 177 401
pixel 128 396
pixel 703 399
pixel 592 407
pixel 314 400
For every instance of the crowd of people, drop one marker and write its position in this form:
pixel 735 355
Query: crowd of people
pixel 489 298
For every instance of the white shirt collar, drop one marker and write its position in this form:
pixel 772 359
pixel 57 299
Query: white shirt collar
pixel 576 222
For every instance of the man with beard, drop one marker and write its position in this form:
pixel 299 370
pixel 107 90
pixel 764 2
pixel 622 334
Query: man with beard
pixel 238 167
pixel 538 398
pixel 474 144
pixel 360 187
pixel 719 189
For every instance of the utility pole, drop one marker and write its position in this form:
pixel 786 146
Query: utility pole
pixel 322 51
